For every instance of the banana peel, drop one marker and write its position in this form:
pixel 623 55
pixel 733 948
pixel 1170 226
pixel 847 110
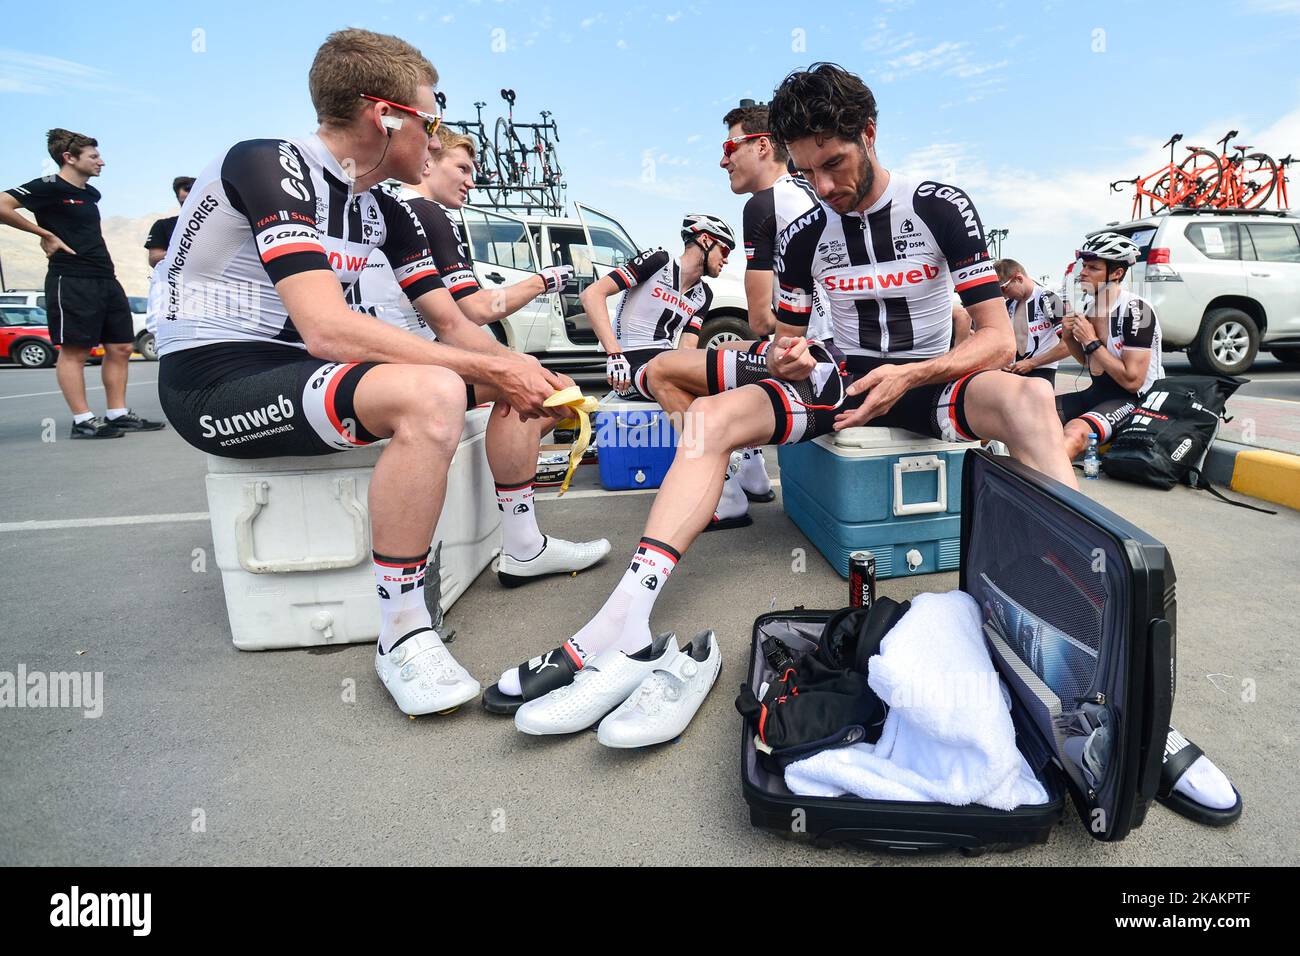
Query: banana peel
pixel 582 406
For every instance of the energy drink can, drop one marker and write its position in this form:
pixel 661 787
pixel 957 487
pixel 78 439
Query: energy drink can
pixel 862 579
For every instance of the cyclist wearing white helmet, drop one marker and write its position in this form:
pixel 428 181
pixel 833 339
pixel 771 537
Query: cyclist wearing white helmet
pixel 666 295
pixel 1116 336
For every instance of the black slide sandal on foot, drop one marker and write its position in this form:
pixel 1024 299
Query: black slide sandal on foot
pixel 722 524
pixel 761 499
pixel 537 677
pixel 1175 765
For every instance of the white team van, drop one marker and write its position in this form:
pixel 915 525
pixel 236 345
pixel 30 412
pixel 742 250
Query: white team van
pixel 506 248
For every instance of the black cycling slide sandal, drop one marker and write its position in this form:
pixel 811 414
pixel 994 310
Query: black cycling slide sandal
pixel 537 677
pixel 1180 754
pixel 722 524
pixel 761 499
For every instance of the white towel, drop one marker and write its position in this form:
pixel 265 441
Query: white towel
pixel 948 737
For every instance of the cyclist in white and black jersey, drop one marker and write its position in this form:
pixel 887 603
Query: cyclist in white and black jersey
pixel 665 303
pixel 444 185
pixel 884 250
pixel 260 355
pixel 1116 337
pixel 1035 312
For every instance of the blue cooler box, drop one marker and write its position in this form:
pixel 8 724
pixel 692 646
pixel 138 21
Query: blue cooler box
pixel 635 442
pixel 884 490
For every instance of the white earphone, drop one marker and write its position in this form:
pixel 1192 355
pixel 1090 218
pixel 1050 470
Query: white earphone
pixel 391 122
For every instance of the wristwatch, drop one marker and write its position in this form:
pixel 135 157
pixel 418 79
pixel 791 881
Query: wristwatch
pixel 1092 347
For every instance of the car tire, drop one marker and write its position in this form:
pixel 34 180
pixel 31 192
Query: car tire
pixel 1287 356
pixel 722 330
pixel 1227 345
pixel 34 353
pixel 146 346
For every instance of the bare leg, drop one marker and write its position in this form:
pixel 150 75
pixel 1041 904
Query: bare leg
pixel 1021 412
pixel 676 378
pixel 716 425
pixel 71 374
pixel 422 408
pixel 511 442
pixel 117 358
pixel 1076 438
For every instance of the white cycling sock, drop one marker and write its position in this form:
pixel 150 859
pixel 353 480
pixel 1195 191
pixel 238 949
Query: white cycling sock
pixel 733 502
pixel 520 536
pixel 116 413
pixel 401 597
pixel 1205 783
pixel 624 620
pixel 83 417
pixel 753 472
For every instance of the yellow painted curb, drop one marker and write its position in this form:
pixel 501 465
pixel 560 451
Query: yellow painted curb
pixel 1270 475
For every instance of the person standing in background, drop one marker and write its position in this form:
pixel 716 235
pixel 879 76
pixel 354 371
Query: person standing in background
pixel 160 233
pixel 85 302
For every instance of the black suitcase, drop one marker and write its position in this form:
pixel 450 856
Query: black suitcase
pixel 1042 560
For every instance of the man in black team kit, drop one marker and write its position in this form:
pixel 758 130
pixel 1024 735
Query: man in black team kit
pixel 756 164
pixel 84 301
pixel 885 250
pixel 260 355
pixel 160 233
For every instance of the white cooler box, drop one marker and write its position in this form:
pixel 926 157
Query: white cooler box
pixel 292 540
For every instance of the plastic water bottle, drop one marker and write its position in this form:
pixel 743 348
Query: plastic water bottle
pixel 1091 463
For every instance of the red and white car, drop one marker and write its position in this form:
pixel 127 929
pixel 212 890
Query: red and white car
pixel 25 337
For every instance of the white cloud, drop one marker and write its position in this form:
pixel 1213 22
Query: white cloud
pixel 673 17
pixel 1048 210
pixel 693 138
pixel 35 73
pixel 447 18
pixel 621 45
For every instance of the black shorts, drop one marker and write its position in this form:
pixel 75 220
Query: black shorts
pixel 806 409
pixel 255 400
pixel 1102 406
pixel 637 360
pixel 1048 375
pixel 86 312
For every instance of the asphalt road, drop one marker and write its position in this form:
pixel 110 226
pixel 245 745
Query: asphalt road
pixel 205 754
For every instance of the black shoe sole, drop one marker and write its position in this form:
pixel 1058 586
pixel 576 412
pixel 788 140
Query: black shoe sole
pixel 117 434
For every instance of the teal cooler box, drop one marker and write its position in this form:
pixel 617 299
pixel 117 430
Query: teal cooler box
pixel 635 443
pixel 884 490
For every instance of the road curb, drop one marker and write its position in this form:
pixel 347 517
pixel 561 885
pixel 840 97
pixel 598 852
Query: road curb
pixel 1272 476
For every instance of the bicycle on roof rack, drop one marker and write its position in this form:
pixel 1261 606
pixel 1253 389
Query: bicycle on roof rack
pixel 512 173
pixel 1206 180
pixel 531 169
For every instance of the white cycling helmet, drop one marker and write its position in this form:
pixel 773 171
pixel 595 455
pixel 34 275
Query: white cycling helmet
pixel 697 224
pixel 1112 247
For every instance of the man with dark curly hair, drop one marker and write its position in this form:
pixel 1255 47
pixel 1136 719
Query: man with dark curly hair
pixel 886 251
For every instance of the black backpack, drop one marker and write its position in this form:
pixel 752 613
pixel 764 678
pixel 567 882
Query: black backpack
pixel 1167 438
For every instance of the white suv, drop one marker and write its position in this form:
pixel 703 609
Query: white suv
pixel 506 248
pixel 1225 284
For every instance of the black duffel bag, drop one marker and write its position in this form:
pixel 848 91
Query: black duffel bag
pixel 1167 438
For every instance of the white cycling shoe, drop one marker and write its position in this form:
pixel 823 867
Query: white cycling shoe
pixel 666 700
pixel 598 688
pixel 556 557
pixel 423 677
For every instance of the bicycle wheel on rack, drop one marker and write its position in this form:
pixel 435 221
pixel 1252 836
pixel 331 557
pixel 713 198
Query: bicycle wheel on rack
pixel 1258 177
pixel 1203 169
pixel 512 160
pixel 1165 193
pixel 487 176
pixel 552 178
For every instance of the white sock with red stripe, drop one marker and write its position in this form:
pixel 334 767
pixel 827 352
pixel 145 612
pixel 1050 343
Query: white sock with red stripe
pixel 753 472
pixel 624 620
pixel 401 597
pixel 520 536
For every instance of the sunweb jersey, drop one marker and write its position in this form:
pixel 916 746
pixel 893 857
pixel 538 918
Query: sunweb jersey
pixel 655 308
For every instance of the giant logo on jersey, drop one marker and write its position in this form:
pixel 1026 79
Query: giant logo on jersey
pixel 283 240
pixel 958 199
pixel 879 279
pixel 293 184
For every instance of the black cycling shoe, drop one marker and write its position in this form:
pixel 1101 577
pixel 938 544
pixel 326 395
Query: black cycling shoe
pixel 131 422
pixel 95 428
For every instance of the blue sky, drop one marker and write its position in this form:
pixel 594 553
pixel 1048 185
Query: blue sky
pixel 1032 107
